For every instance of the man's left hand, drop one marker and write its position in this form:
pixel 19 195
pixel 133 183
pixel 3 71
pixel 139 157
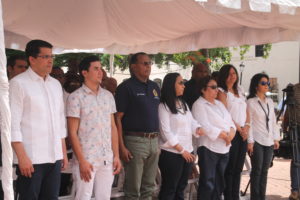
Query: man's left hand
pixel 64 164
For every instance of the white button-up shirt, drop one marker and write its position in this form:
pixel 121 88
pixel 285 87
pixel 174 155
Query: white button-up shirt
pixel 38 119
pixel 237 106
pixel 176 129
pixel 214 118
pixel 258 130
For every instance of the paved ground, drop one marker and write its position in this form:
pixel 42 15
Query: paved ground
pixel 278 186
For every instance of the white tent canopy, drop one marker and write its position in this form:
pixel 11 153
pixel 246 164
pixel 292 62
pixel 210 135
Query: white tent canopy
pixel 127 26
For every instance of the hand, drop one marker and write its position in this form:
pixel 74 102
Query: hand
pixel 224 136
pixel 85 169
pixel 188 156
pixel 25 166
pixel 276 144
pixel 65 162
pixel 125 154
pixel 250 149
pixel 117 165
pixel 245 132
pixel 200 131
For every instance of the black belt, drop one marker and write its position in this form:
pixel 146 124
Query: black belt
pixel 150 135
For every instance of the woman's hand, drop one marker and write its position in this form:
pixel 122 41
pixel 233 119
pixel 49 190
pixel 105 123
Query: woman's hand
pixel 250 149
pixel 276 144
pixel 188 156
pixel 200 131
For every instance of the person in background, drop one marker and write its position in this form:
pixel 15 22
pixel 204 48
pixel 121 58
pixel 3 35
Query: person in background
pixel 263 134
pixel 214 145
pixel 58 74
pixel 191 92
pixel 177 126
pixel 15 65
pixel 232 96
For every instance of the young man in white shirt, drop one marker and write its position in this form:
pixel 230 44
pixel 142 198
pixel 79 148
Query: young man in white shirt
pixel 38 125
pixel 93 134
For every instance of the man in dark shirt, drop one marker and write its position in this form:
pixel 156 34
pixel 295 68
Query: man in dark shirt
pixel 137 101
pixel 191 93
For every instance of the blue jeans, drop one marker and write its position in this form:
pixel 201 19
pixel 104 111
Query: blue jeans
pixel 260 161
pixel 212 169
pixel 43 185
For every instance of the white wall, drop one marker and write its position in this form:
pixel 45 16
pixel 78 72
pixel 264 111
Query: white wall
pixel 282 63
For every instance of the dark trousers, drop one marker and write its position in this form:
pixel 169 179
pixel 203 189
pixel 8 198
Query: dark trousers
pixel 175 172
pixel 234 168
pixel 295 173
pixel 260 161
pixel 212 169
pixel 43 185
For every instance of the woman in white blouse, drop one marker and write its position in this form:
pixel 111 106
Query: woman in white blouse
pixel 232 96
pixel 263 134
pixel 214 145
pixel 177 126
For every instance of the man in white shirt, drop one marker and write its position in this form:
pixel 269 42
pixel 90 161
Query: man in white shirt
pixel 16 65
pixel 38 125
pixel 93 134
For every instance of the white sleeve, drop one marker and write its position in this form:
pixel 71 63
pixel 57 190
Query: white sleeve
pixel 16 99
pixel 250 109
pixel 201 115
pixel 165 125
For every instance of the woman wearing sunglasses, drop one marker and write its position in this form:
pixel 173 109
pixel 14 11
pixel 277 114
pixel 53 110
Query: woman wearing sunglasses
pixel 263 134
pixel 232 96
pixel 177 126
pixel 214 145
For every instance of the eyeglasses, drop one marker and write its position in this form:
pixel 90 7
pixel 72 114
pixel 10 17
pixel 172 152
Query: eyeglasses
pixel 47 56
pixel 265 83
pixel 213 87
pixel 146 63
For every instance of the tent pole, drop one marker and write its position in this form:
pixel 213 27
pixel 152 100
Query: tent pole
pixel 111 64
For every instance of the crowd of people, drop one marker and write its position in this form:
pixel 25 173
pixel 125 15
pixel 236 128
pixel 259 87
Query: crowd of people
pixel 138 126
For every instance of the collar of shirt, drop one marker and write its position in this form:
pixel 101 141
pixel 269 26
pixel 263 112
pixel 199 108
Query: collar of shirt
pixel 34 76
pixel 203 100
pixel 88 90
pixel 134 78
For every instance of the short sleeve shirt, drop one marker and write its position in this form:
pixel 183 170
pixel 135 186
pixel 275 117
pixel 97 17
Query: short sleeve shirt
pixel 94 133
pixel 139 102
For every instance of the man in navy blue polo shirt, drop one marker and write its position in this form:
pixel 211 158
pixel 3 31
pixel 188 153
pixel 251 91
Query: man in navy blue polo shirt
pixel 137 101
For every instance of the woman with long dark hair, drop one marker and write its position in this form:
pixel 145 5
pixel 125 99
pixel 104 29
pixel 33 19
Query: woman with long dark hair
pixel 214 145
pixel 232 96
pixel 177 126
pixel 263 135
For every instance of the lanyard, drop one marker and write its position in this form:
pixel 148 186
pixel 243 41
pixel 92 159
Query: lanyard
pixel 267 115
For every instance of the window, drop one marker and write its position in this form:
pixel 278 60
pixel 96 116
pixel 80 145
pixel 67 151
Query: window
pixel 259 50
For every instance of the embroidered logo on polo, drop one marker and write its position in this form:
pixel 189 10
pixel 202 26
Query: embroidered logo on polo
pixel 140 94
pixel 155 93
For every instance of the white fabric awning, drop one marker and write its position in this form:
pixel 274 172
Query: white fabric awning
pixel 152 26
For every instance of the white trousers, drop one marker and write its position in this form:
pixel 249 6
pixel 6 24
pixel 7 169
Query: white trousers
pixel 101 182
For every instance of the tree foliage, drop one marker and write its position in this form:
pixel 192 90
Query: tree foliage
pixel 214 58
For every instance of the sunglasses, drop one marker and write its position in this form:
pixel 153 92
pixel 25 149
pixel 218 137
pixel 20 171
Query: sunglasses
pixel 46 56
pixel 265 83
pixel 212 87
pixel 147 63
pixel 181 83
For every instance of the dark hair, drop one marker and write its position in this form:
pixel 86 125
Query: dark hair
pixel 134 57
pixel 72 82
pixel 223 75
pixel 203 83
pixel 215 75
pixel 168 94
pixel 254 84
pixel 11 61
pixel 33 47
pixel 85 64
